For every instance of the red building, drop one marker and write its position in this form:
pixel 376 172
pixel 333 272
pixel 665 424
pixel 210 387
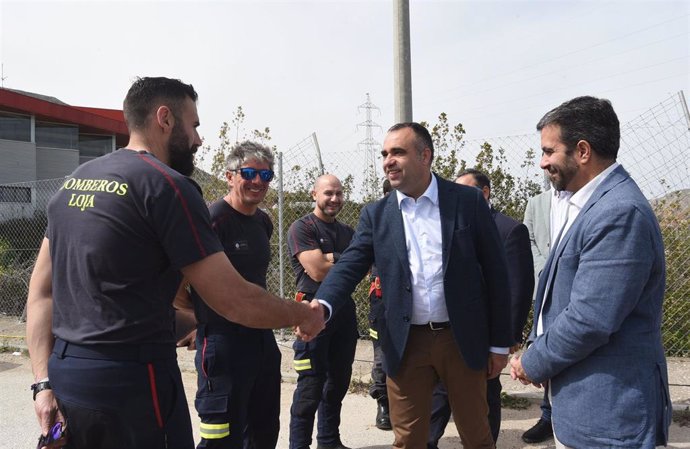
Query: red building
pixel 44 138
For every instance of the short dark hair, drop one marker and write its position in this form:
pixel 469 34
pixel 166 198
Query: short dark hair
pixel 150 92
pixel 586 118
pixel 479 176
pixel 423 137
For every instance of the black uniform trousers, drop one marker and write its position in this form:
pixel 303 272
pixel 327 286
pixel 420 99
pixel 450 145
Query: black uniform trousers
pixel 120 396
pixel 378 389
pixel 440 411
pixel 324 368
pixel 238 387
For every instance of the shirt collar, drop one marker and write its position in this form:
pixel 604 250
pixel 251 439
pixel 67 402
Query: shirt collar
pixel 431 193
pixel 580 198
pixel 561 194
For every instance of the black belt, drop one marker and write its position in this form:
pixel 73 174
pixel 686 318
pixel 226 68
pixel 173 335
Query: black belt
pixel 435 325
pixel 145 352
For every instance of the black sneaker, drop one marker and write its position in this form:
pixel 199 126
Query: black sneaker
pixel 541 431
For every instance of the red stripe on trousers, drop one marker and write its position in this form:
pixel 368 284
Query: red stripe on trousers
pixel 203 359
pixel 154 395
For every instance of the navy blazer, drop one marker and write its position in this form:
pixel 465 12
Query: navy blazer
pixel 515 238
pixel 475 274
pixel 601 347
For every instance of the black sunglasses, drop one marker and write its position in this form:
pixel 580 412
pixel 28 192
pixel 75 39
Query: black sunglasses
pixel 249 174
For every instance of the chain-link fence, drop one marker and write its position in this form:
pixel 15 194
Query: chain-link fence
pixel 655 148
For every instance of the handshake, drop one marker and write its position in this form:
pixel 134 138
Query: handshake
pixel 314 320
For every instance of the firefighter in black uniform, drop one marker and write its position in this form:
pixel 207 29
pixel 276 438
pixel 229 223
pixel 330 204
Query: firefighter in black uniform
pixel 378 390
pixel 238 368
pixel 100 322
pixel 323 365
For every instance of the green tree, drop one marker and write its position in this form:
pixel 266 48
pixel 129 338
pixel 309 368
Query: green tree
pixel 448 142
pixel 510 187
pixel 673 213
pixel 509 192
pixel 20 239
pixel 229 134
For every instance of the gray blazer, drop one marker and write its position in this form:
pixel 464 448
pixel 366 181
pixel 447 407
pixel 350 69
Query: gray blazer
pixel 601 348
pixel 538 222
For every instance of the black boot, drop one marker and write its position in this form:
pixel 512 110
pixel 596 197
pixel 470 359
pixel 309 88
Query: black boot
pixel 332 446
pixel 541 431
pixel 383 419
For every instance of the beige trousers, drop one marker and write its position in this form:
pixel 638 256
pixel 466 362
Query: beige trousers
pixel 431 355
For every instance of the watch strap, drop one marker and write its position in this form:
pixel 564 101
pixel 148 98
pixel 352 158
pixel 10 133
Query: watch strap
pixel 40 386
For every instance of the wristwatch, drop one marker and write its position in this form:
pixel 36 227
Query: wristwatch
pixel 40 386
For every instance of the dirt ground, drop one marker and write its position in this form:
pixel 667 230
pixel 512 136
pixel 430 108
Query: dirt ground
pixel 19 428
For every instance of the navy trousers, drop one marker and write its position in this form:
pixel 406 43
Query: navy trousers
pixel 238 387
pixel 117 396
pixel 546 406
pixel 378 388
pixel 324 368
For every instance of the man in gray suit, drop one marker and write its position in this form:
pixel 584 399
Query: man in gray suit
pixel 597 332
pixel 538 222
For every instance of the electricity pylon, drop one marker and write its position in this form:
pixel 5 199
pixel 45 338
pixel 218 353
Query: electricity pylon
pixel 372 189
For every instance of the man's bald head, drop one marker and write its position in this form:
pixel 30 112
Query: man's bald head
pixel 326 180
pixel 328 195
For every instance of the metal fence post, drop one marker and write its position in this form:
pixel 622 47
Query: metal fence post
pixel 281 246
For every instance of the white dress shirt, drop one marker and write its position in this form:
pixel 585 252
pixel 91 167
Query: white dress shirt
pixel 573 207
pixel 422 224
pixel 558 217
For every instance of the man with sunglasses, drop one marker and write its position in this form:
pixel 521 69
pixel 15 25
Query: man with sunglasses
pixel 238 368
pixel 323 365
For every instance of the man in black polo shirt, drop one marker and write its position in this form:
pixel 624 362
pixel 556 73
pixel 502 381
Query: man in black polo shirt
pixel 122 231
pixel 323 365
pixel 238 368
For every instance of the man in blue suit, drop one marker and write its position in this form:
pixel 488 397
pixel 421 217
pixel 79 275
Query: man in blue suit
pixel 597 337
pixel 446 302
pixel 516 242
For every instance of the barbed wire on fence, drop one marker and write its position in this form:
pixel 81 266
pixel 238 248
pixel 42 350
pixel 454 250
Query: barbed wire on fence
pixel 654 148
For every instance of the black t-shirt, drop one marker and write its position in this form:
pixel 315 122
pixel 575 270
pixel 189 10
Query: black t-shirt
pixel 246 239
pixel 120 229
pixel 309 232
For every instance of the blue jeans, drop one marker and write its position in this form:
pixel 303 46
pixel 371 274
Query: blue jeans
pixel 546 406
